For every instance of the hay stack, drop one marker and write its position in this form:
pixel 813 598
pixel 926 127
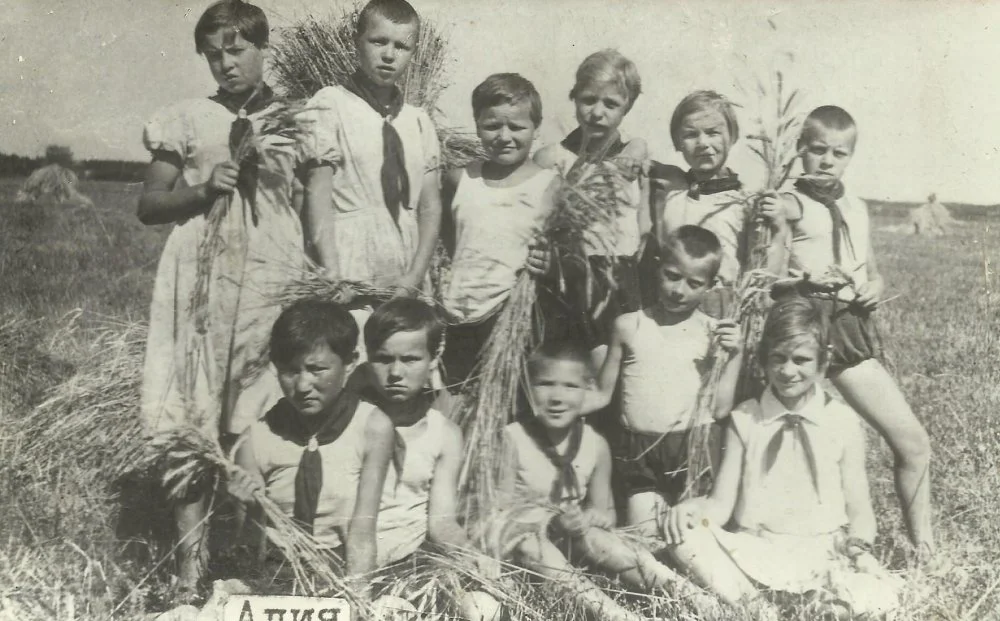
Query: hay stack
pixel 932 219
pixel 52 182
pixel 318 52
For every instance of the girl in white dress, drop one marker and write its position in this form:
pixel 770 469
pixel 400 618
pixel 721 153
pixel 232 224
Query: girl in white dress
pixel 210 316
pixel 793 485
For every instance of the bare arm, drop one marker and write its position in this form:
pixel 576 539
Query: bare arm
pixel 726 390
pixel 546 157
pixel 600 501
pixel 361 543
pixel 442 510
pixel 317 209
pixel 607 378
pixel 162 202
pixel 449 184
pixel 721 502
pixel 663 179
pixel 860 515
pixel 428 228
pixel 245 481
pixel 638 151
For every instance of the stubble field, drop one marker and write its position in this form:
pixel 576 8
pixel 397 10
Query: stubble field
pixel 76 282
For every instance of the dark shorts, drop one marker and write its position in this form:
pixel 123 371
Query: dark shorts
pixel 463 343
pixel 854 335
pixel 585 308
pixel 652 462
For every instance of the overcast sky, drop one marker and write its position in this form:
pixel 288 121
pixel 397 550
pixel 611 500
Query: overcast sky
pixel 921 78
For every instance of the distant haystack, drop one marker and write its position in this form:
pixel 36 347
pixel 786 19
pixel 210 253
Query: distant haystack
pixel 931 218
pixel 53 182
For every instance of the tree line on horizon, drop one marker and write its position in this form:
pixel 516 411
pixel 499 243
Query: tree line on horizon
pixel 12 165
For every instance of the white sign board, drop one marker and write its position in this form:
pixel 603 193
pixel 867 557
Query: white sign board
pixel 285 608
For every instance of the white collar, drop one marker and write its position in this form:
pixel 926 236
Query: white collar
pixel 812 410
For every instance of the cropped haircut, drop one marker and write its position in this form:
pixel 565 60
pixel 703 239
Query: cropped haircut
pixel 308 323
pixel 404 315
pixel 563 349
pixel 828 117
pixel 609 66
pixel 792 318
pixel 699 101
pixel 396 11
pixel 693 241
pixel 247 19
pixel 507 88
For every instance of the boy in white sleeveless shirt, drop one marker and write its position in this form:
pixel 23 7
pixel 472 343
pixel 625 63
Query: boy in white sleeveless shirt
pixel 661 353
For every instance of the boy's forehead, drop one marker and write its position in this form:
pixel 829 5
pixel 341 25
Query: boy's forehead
pixel 704 117
pixel 224 37
pixel 603 85
pixel 377 21
pixel 690 267
pixel 818 132
pixel 519 110
pixel 406 340
pixel 800 343
pixel 563 367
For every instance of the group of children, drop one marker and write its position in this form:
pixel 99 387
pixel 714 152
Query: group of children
pixel 344 434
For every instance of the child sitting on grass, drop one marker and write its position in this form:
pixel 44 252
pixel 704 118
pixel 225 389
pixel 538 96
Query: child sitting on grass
pixel 493 210
pixel 558 489
pixel 419 505
pixel 321 453
pixel 607 86
pixel 792 484
pixel 661 353
pixel 710 195
pixel 830 229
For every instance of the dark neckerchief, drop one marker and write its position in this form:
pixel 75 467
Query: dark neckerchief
pixel 793 423
pixel 243 105
pixel 287 423
pixel 828 195
pixel 565 486
pixel 395 181
pixel 697 188
pixel 574 143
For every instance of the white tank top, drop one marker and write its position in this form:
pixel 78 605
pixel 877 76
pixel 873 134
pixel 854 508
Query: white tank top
pixel 536 473
pixel 402 519
pixel 493 227
pixel 661 373
pixel 278 460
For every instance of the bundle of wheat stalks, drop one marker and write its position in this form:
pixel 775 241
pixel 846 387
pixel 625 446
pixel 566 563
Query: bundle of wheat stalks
pixel 318 52
pixel 777 122
pixel 52 182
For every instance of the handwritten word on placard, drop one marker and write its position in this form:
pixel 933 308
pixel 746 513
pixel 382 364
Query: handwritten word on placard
pixel 285 608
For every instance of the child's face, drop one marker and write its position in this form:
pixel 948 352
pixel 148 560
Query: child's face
pixel 558 388
pixel 793 367
pixel 385 49
pixel 827 152
pixel 705 141
pixel 236 64
pixel 506 132
pixel 313 381
pixel 684 281
pixel 402 366
pixel 600 108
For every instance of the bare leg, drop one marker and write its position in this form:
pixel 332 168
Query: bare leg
pixel 644 509
pixel 874 394
pixel 192 546
pixel 709 565
pixel 543 556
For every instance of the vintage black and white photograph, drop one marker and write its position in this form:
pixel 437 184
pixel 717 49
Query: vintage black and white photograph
pixel 508 310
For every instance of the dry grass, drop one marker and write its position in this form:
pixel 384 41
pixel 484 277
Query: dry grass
pixel 52 183
pixel 60 539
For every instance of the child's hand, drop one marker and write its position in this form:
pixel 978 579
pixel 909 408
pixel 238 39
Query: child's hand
pixel 680 518
pixel 772 209
pixel 244 486
pixel 870 293
pixel 406 287
pixel 599 519
pixel 729 336
pixel 539 257
pixel 223 178
pixel 867 564
pixel 573 521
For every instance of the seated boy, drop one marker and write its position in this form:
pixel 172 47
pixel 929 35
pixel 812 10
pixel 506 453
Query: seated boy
pixel 557 489
pixel 662 352
pixel 321 453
